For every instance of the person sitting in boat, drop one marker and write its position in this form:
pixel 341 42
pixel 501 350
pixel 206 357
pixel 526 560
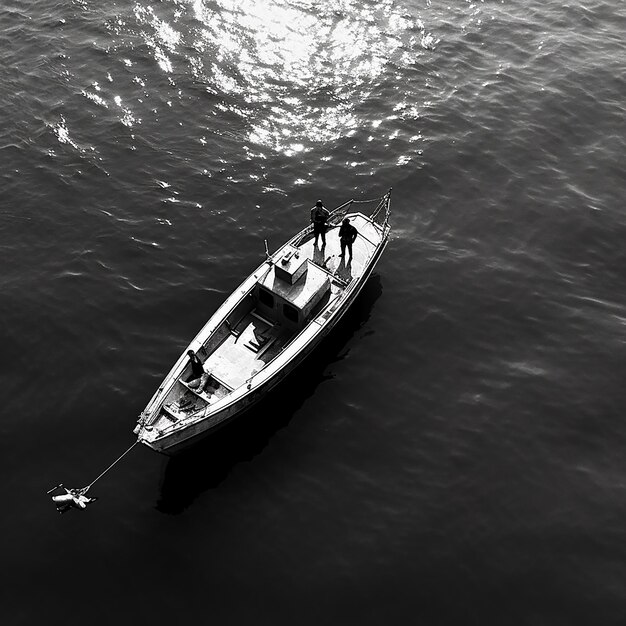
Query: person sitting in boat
pixel 319 216
pixel 347 236
pixel 198 376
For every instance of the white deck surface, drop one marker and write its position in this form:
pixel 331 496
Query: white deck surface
pixel 233 363
pixel 330 255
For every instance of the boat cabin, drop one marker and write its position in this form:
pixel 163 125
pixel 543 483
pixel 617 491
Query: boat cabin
pixel 289 294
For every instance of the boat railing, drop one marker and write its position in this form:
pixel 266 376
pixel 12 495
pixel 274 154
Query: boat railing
pixel 385 203
pixel 337 215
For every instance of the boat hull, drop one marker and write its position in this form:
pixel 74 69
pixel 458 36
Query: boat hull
pixel 264 330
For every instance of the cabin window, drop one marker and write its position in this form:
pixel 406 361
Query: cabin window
pixel 290 313
pixel 266 298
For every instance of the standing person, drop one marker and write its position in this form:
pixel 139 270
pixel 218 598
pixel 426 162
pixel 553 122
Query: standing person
pixel 347 236
pixel 319 216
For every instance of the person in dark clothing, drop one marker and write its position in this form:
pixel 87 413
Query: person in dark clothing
pixel 319 216
pixel 198 376
pixel 347 236
pixel 196 364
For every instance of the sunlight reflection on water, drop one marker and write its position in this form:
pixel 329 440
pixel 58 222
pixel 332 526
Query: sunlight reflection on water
pixel 276 76
pixel 294 72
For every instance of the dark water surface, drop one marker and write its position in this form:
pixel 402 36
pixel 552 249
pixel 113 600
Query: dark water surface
pixel 454 453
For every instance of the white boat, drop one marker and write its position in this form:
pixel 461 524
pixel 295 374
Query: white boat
pixel 265 328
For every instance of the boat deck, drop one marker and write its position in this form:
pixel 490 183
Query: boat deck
pixel 329 256
pixel 253 343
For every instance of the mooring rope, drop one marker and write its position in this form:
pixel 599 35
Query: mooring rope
pixel 110 466
pixel 368 201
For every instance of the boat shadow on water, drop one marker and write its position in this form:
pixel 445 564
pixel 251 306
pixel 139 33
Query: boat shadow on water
pixel 205 465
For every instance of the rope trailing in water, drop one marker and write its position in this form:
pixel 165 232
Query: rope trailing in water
pixel 110 466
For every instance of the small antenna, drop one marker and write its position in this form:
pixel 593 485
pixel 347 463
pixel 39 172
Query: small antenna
pixel 267 252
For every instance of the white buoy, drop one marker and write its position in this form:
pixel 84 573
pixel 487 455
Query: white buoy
pixel 72 498
pixel 76 498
